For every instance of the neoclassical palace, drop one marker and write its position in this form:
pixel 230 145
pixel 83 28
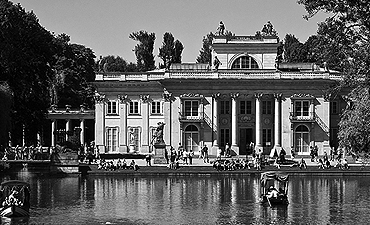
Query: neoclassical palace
pixel 247 100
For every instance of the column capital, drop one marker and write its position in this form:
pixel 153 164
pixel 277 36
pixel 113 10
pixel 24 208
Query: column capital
pixel 167 96
pixel 278 96
pixel 235 95
pixel 99 98
pixel 145 98
pixel 258 95
pixel 123 98
pixel 217 96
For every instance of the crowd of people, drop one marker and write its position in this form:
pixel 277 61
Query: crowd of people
pixel 26 153
pixel 119 165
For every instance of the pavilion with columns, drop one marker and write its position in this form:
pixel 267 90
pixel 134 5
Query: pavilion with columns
pixel 248 100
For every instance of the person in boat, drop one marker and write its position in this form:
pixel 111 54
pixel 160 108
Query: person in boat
pixel 272 192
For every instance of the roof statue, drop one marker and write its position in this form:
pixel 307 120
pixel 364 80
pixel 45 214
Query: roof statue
pixel 268 30
pixel 221 29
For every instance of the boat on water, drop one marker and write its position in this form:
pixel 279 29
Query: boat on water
pixel 14 199
pixel 274 188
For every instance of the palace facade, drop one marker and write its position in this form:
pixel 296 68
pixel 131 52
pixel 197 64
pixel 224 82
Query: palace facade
pixel 249 101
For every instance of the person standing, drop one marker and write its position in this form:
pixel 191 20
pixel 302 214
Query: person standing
pixel 191 154
pixel 205 154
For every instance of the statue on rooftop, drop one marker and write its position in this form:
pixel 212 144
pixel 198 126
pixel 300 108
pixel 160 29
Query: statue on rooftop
pixel 216 63
pixel 221 29
pixel 268 29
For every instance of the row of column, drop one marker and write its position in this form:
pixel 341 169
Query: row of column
pixel 258 128
pixel 68 128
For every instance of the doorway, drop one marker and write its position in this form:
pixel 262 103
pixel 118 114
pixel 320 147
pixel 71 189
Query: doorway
pixel 245 138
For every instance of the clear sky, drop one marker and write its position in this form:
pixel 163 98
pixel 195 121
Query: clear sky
pixel 105 25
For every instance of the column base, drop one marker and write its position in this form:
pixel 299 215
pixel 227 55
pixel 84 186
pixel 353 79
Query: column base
pixel 123 149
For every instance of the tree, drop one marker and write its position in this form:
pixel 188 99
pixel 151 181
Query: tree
pixel 144 50
pixel 205 53
pixel 348 31
pixel 73 69
pixel 25 56
pixel 117 64
pixel 171 50
pixel 294 50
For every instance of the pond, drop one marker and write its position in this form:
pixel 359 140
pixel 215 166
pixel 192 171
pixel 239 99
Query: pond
pixel 192 200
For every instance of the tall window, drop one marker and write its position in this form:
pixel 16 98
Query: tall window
pixel 245 107
pixel 134 108
pixel 225 137
pixel 112 107
pixel 191 107
pixel 302 108
pixel 334 107
pixel 112 139
pixel 245 62
pixel 266 137
pixel 225 107
pixel 266 107
pixel 302 139
pixel 156 107
pixel 191 138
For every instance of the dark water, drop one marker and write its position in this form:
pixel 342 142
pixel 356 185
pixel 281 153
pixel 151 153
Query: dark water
pixel 192 200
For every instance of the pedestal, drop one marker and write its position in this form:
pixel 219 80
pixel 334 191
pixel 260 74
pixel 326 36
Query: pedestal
pixel 132 149
pixel 159 156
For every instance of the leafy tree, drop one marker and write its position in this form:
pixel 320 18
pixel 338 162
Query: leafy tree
pixel 171 50
pixel 25 56
pixel 6 96
pixel 294 50
pixel 73 71
pixel 117 64
pixel 144 50
pixel 205 53
pixel 348 31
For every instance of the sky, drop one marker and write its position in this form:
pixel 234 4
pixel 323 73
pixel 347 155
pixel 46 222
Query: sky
pixel 105 25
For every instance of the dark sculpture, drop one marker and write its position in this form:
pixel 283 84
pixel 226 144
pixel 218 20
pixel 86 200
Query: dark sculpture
pixel 221 28
pixel 158 135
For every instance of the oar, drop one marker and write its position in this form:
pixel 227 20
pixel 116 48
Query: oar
pixel 268 200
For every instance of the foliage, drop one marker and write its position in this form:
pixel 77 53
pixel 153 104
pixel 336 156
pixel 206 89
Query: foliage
pixel 6 97
pixel 294 50
pixel 144 50
pixel 73 70
pixel 25 56
pixel 171 50
pixel 205 53
pixel 354 126
pixel 347 31
pixel 116 64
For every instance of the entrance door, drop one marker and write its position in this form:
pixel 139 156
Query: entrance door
pixel 246 137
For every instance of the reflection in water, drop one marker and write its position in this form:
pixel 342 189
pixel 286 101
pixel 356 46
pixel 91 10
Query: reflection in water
pixel 192 200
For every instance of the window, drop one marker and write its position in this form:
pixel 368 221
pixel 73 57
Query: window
pixel 134 137
pixel 266 107
pixel 156 107
pixel 191 138
pixel 302 139
pixel 225 137
pixel 134 108
pixel 245 62
pixel 266 137
pixel 225 107
pixel 112 139
pixel 112 107
pixel 334 107
pixel 302 108
pixel 245 107
pixel 191 107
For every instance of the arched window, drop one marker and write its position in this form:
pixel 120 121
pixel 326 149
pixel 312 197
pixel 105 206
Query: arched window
pixel 192 138
pixel 244 62
pixel 302 139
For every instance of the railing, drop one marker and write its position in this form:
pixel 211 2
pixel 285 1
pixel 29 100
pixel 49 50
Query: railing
pixel 223 74
pixel 194 118
pixel 321 123
pixel 299 116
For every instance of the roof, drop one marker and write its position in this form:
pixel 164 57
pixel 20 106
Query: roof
pixel 15 183
pixel 274 175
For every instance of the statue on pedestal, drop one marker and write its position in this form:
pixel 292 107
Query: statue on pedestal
pixel 158 135
pixel 221 29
